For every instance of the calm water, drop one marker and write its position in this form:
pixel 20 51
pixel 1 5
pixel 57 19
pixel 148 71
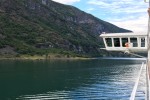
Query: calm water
pixel 73 80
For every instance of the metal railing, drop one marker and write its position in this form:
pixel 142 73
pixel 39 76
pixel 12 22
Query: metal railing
pixel 133 94
pixel 147 82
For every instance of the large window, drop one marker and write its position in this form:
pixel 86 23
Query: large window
pixel 133 42
pixel 116 42
pixel 142 42
pixel 124 41
pixel 108 42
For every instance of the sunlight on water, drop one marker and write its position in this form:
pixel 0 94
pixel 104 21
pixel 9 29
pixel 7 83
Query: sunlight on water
pixel 72 80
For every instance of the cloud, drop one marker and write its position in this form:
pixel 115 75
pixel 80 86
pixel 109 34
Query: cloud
pixel 67 1
pixel 90 9
pixel 136 25
pixel 122 6
pixel 129 14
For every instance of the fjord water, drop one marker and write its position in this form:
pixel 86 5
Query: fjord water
pixel 68 79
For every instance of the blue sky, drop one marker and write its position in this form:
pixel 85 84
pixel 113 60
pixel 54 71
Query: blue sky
pixel 129 14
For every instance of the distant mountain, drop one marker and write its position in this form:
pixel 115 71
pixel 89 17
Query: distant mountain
pixel 44 26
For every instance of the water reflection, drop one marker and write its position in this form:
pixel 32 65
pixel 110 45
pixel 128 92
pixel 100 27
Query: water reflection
pixel 89 79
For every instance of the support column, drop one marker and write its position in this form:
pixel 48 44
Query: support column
pixel 120 42
pixel 104 39
pixel 112 42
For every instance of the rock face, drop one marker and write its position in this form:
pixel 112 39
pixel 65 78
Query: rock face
pixel 39 26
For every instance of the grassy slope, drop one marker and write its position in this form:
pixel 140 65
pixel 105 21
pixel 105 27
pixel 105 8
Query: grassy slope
pixel 34 32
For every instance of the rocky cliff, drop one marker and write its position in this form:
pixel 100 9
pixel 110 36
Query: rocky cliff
pixel 44 26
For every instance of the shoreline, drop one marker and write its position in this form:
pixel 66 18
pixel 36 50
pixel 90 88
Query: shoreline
pixel 67 58
pixel 27 57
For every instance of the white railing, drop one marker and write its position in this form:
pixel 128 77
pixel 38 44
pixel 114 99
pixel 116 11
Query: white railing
pixel 133 94
pixel 147 97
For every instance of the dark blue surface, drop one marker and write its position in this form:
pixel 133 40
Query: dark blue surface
pixel 74 80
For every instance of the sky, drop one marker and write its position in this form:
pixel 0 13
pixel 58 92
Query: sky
pixel 128 14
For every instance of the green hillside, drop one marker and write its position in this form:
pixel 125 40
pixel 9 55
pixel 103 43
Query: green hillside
pixel 43 27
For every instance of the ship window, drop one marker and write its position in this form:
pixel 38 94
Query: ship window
pixel 142 42
pixel 109 42
pixel 116 42
pixel 124 41
pixel 133 42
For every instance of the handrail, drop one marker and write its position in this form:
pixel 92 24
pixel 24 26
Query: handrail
pixel 147 82
pixel 132 97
